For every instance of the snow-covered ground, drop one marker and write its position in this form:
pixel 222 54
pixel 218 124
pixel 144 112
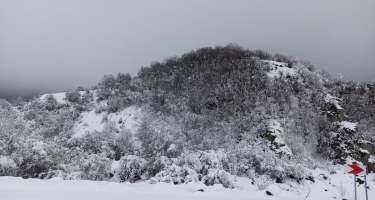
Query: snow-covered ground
pixel 334 101
pixel 129 118
pixel 277 69
pixel 60 97
pixel 326 186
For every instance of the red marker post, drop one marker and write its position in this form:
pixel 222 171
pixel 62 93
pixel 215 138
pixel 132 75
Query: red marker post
pixel 355 171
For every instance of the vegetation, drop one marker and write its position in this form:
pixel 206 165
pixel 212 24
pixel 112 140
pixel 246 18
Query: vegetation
pixel 208 114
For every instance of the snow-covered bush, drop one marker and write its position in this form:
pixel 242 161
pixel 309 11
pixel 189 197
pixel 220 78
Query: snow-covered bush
pixel 153 142
pixel 177 174
pixel 7 166
pixel 33 159
pixel 131 168
pixel 208 167
pixel 123 144
pixel 51 103
pixel 116 103
pixel 73 96
pixel 95 167
pixel 158 164
pixel 39 158
pixel 96 143
pixel 217 176
pixel 263 182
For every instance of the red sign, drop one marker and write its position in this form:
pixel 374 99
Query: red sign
pixel 355 169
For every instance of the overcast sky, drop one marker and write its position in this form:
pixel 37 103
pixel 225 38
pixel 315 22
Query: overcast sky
pixel 54 45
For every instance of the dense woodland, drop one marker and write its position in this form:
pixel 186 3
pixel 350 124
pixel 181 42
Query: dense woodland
pixel 208 114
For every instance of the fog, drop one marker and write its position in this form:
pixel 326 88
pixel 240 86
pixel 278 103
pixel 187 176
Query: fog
pixel 58 45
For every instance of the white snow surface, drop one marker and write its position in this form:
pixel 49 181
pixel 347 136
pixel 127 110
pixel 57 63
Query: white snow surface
pixel 89 123
pixel 60 97
pixel 326 186
pixel 348 125
pixel 333 100
pixel 277 69
pixel 129 118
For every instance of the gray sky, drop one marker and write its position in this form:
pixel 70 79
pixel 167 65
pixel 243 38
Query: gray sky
pixel 53 45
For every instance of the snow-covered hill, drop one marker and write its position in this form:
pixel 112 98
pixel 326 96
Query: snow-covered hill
pixel 215 117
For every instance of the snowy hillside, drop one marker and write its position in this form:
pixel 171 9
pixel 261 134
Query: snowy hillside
pixel 130 119
pixel 218 117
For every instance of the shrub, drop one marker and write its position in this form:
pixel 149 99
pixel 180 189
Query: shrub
pixel 131 168
pixel 217 176
pixel 7 166
pixel 153 143
pixel 123 144
pixel 74 96
pixel 33 158
pixel 51 103
pixel 95 167
pixel 177 174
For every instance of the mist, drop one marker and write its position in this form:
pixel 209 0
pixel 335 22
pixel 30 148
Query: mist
pixel 50 46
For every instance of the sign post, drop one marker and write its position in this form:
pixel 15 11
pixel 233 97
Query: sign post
pixel 355 187
pixel 355 171
pixel 366 184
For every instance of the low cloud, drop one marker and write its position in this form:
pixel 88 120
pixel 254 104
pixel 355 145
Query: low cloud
pixel 58 45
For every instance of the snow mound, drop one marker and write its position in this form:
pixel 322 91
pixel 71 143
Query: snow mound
pixel 60 97
pixel 333 100
pixel 278 69
pixel 347 125
pixel 129 118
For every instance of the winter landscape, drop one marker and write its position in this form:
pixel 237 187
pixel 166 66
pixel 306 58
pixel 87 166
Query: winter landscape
pixel 215 122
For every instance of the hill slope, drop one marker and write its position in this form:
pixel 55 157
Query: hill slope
pixel 203 117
